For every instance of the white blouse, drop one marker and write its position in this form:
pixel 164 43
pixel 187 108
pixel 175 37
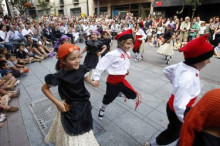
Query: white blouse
pixel 115 62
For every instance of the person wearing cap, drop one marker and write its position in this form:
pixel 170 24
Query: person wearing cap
pixel 201 126
pixel 73 123
pixel 116 63
pixel 139 46
pixel 94 48
pixel 185 81
pixel 167 48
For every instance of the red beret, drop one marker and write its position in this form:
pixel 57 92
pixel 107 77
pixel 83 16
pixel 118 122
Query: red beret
pixel 197 50
pixel 124 35
pixel 141 24
pixel 104 32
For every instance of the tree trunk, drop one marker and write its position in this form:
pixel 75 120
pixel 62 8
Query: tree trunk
pixel 193 13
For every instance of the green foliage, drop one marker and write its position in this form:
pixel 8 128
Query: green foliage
pixel 44 5
pixel 194 3
pixel 19 4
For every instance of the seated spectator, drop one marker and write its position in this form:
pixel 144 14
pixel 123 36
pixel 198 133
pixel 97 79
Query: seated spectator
pixel 217 51
pixel 4 42
pixel 56 33
pixel 3 51
pixel 28 32
pixel 32 49
pixel 2 57
pixel 4 106
pixel 15 36
pixel 22 56
pixel 47 32
pixel 177 44
pixel 8 82
pixel 8 67
pixel 184 42
pixel 44 44
pixel 11 59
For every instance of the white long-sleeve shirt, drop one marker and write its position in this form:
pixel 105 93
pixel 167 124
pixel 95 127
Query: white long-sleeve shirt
pixel 186 86
pixel 115 62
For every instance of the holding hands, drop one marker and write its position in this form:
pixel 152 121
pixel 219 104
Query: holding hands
pixel 95 83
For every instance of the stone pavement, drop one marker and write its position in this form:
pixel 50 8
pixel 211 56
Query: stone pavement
pixel 123 125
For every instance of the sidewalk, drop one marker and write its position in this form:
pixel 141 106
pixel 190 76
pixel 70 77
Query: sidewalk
pixel 123 126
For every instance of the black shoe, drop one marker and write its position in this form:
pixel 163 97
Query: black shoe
pixel 101 113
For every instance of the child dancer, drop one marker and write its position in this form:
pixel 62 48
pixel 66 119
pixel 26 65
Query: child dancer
pixel 94 48
pixel 116 63
pixel 139 46
pixel 62 40
pixel 186 86
pixel 106 41
pixel 167 48
pixel 73 122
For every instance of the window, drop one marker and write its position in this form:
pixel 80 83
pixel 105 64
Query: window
pixel 75 11
pixel 75 1
pixel 61 2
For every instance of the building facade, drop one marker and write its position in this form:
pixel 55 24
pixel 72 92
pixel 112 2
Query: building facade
pixel 140 8
pixel 169 8
pixel 66 7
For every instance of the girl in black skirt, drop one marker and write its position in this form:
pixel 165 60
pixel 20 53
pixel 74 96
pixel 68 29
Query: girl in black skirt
pixel 73 123
pixel 106 41
pixel 94 48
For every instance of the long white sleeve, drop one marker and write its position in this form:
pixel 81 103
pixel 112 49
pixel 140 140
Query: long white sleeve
pixel 104 63
pixel 168 72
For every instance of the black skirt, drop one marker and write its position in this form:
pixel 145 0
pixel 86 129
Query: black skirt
pixel 78 120
pixel 91 61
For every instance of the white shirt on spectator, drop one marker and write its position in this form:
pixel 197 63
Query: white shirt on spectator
pixel 2 35
pixel 159 30
pixel 202 30
pixel 93 27
pixel 14 35
pixel 26 32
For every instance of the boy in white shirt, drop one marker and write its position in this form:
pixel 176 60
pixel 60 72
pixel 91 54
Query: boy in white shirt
pixel 116 63
pixel 185 81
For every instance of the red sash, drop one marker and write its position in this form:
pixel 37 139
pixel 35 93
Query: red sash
pixel 137 42
pixel 171 100
pixel 116 79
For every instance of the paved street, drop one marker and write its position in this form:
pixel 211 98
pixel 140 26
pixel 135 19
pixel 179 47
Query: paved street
pixel 123 126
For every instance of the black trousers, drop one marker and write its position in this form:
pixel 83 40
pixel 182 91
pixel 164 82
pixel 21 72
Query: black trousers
pixel 112 92
pixel 172 132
